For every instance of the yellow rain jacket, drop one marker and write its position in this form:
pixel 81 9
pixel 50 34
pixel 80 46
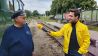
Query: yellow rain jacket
pixel 82 33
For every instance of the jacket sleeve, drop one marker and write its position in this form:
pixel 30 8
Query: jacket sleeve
pixel 32 46
pixel 5 44
pixel 58 33
pixel 86 42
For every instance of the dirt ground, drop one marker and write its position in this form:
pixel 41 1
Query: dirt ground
pixel 44 45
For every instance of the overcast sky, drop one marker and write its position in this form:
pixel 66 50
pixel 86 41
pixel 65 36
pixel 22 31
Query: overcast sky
pixel 97 1
pixel 40 5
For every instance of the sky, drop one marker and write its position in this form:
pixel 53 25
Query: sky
pixel 40 5
pixel 97 1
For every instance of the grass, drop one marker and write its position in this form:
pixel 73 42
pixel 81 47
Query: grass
pixel 95 28
pixel 45 19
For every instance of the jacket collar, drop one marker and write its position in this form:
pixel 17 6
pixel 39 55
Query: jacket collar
pixel 78 22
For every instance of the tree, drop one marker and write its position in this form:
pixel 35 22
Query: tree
pixel 11 6
pixel 61 6
pixel 35 13
pixel 53 7
pixel 28 13
pixel 47 13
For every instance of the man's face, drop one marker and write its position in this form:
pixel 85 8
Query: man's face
pixel 20 20
pixel 71 17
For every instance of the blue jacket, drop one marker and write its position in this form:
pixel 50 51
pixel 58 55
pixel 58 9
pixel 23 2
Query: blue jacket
pixel 17 42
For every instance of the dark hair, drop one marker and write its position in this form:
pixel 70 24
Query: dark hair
pixel 17 13
pixel 76 12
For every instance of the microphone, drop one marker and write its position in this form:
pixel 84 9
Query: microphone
pixel 44 29
pixel 40 26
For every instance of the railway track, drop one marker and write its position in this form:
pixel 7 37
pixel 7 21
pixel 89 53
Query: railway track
pixel 52 28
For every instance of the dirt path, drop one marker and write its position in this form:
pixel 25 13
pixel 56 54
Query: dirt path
pixel 44 45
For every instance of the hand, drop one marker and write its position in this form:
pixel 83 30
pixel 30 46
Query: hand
pixel 40 26
pixel 48 33
pixel 44 29
pixel 33 54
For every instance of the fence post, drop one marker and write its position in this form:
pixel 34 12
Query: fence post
pixel 91 15
pixel 96 14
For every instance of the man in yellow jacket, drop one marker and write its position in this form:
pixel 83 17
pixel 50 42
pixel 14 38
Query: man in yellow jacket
pixel 76 35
